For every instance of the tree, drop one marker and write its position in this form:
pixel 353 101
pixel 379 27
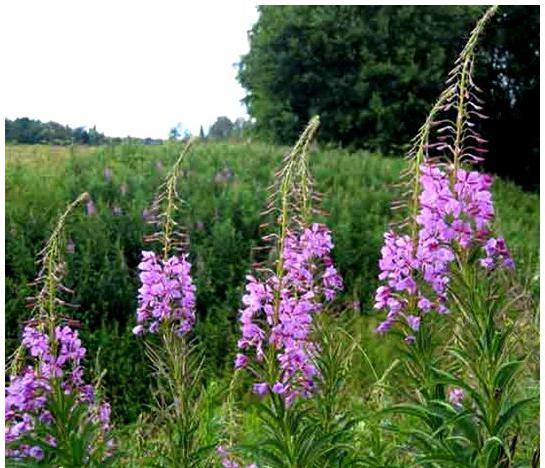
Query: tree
pixel 174 132
pixel 508 72
pixel 28 131
pixel 371 72
pixel 221 128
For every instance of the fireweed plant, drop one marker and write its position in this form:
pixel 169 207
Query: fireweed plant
pixel 53 417
pixel 441 270
pixel 283 298
pixel 165 318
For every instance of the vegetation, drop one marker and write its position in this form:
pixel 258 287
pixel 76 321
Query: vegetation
pixel 372 73
pixel 444 375
pixel 25 130
pixel 225 188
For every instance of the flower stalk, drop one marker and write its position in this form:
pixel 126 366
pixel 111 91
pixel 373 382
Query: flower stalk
pixel 52 415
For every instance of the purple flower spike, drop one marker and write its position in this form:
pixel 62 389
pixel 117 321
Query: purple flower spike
pixel 167 294
pixel 57 358
pixel 452 217
pixel 278 313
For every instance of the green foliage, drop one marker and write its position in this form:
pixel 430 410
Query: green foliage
pixel 75 433
pixel 474 351
pixel 178 394
pixel 30 131
pixel 222 218
pixel 372 73
pixel 463 368
pixel 26 130
pixel 360 68
pixel 292 438
pixel 223 129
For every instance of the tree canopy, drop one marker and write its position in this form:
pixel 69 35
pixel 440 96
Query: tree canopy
pixel 372 72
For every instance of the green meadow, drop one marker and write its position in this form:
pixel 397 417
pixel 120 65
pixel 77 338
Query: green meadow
pixel 224 187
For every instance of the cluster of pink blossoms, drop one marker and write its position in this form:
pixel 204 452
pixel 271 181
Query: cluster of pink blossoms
pixel 27 394
pixel 167 294
pixel 451 219
pixel 278 311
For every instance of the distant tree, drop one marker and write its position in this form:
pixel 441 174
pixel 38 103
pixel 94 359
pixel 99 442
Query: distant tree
pixel 202 136
pixel 28 131
pixel 95 138
pixel 80 135
pixel 174 133
pixel 24 130
pixel 242 128
pixel 222 128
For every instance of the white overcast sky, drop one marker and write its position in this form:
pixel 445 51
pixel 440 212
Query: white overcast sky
pixel 130 68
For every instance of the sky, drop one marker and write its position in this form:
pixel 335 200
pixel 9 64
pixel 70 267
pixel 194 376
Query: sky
pixel 130 68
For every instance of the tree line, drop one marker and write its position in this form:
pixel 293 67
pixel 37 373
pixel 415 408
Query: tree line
pixel 29 131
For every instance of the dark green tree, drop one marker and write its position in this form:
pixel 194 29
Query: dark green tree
pixel 28 131
pixel 221 128
pixel 509 75
pixel 371 72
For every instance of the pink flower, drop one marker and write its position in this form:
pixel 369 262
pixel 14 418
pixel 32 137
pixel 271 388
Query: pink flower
pixel 278 312
pixel 456 397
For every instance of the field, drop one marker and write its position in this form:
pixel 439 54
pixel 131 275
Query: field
pixel 224 186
